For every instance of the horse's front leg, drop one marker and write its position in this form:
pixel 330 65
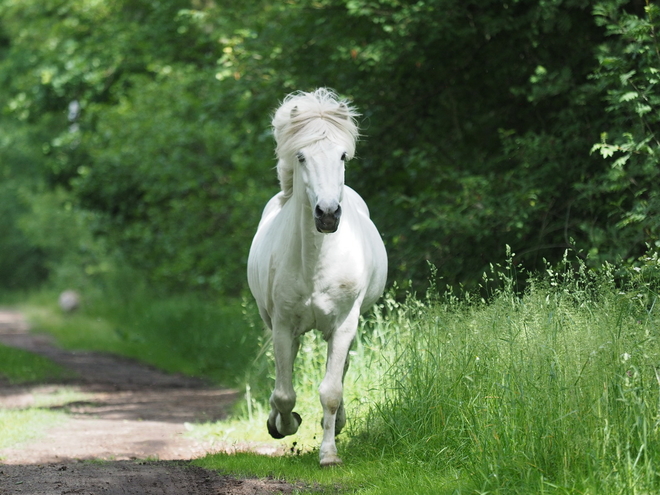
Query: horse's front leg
pixel 282 421
pixel 331 390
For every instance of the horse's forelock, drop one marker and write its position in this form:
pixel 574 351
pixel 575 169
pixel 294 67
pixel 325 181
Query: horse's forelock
pixel 305 118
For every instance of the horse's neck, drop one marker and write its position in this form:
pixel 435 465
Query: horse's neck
pixel 305 228
pixel 307 242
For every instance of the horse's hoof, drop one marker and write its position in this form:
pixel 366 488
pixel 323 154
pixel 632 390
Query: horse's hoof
pixel 273 430
pixel 297 418
pixel 330 461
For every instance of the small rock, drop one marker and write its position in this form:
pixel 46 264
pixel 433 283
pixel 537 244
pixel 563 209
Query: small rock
pixel 69 301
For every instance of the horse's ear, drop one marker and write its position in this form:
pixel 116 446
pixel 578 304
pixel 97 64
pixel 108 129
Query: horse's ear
pixel 294 112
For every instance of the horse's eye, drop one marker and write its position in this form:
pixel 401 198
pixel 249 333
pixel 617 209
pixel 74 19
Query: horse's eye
pixel 343 157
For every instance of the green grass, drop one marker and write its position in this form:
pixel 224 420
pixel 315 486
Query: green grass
pixel 19 366
pixel 183 333
pixel 556 390
pixel 553 391
pixel 358 475
pixel 21 425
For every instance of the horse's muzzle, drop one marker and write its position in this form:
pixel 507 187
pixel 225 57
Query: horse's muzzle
pixel 327 220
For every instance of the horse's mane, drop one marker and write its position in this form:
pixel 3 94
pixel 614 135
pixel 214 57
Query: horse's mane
pixel 305 118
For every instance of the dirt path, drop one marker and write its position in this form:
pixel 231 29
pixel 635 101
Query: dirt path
pixel 133 417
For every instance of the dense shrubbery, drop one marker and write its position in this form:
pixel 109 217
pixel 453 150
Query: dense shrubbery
pixel 147 125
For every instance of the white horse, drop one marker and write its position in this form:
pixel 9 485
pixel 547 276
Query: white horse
pixel 317 260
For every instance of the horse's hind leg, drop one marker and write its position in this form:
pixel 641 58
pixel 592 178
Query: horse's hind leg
pixel 332 389
pixel 282 421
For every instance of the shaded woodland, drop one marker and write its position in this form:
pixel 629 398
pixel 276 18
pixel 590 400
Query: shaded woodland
pixel 136 135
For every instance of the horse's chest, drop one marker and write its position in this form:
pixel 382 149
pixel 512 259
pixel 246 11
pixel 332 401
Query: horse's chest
pixel 319 306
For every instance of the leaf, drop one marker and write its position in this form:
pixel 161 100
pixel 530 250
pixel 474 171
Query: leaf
pixel 625 77
pixel 606 150
pixel 630 95
pixel 620 162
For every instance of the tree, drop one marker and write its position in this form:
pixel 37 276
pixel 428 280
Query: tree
pixel 628 74
pixel 478 121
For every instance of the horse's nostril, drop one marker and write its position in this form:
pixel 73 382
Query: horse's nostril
pixel 327 217
pixel 327 212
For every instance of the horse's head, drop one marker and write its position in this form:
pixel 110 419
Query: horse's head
pixel 315 134
pixel 321 170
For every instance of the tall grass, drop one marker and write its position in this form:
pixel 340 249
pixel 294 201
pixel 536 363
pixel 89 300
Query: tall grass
pixel 556 390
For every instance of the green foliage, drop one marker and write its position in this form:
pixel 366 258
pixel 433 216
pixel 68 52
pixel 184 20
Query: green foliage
pixel 152 148
pixel 629 73
pixel 174 194
pixel 55 225
pixel 178 333
pixel 150 121
pixel 22 263
pixel 467 86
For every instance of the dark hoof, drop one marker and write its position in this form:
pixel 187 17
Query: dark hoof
pixel 273 430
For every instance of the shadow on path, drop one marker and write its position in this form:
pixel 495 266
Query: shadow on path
pixel 129 478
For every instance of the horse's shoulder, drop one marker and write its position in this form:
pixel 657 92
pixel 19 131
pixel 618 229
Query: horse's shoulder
pixel 273 207
pixel 356 200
